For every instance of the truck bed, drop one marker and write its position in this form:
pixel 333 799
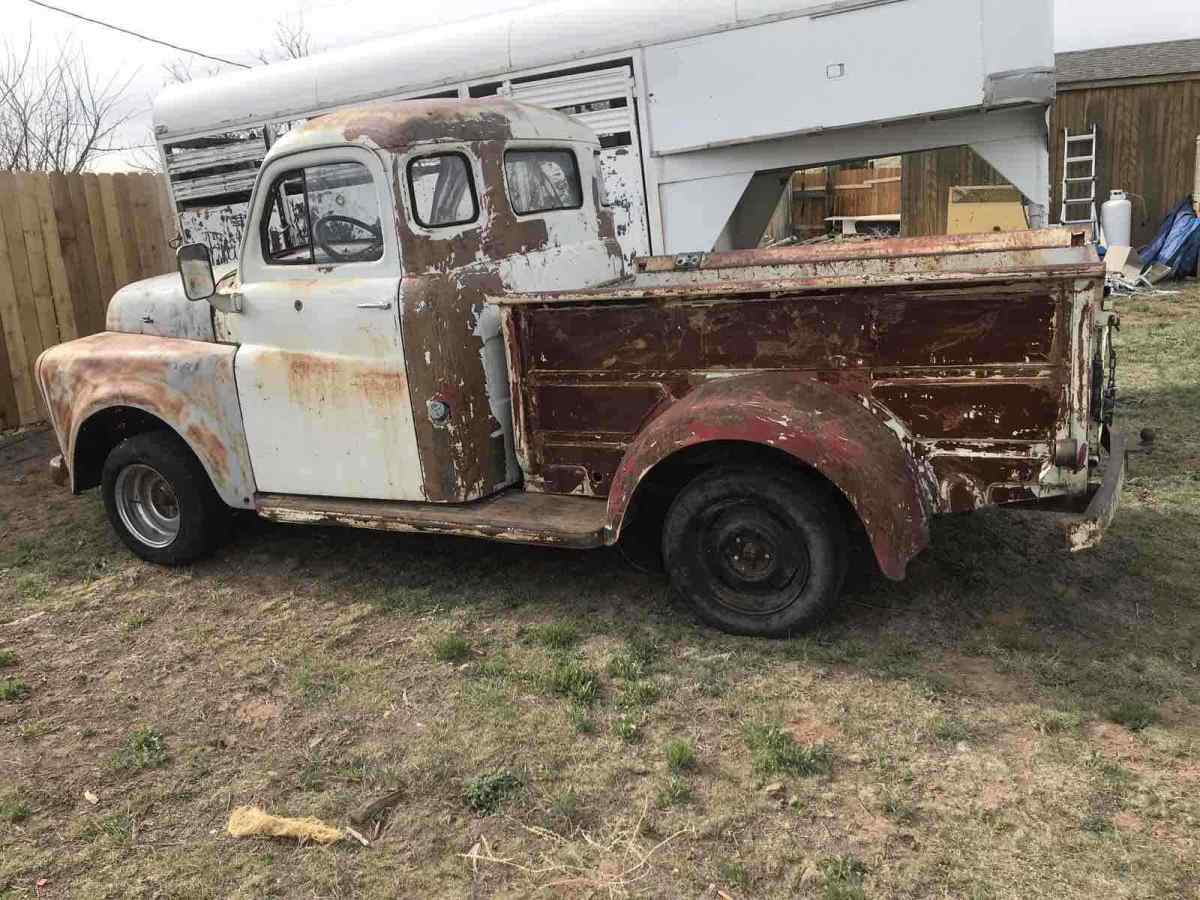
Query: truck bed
pixel 976 349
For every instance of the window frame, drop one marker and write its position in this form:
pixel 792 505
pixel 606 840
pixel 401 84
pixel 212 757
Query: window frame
pixel 570 151
pixel 264 220
pixel 412 193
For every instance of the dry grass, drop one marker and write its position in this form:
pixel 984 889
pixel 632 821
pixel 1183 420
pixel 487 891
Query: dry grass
pixel 1008 723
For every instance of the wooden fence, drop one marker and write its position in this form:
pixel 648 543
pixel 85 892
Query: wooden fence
pixel 67 243
pixel 866 192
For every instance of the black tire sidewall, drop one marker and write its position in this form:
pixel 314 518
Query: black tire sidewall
pixel 806 508
pixel 201 511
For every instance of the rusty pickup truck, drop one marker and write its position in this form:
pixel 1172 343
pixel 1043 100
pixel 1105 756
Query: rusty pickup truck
pixel 431 328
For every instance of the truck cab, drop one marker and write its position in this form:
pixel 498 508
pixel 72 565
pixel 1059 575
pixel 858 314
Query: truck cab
pixel 431 328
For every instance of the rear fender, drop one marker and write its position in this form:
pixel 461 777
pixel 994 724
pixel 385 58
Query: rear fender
pixel 188 385
pixel 859 448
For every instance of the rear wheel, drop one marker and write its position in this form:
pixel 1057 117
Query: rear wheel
pixel 756 551
pixel 160 501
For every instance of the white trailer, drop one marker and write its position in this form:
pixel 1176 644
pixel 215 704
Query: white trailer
pixel 703 108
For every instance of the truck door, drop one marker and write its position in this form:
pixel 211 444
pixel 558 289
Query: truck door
pixel 320 369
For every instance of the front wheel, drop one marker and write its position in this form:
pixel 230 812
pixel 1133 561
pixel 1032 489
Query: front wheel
pixel 756 551
pixel 160 501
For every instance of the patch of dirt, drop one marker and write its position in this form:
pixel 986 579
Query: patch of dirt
pixel 259 712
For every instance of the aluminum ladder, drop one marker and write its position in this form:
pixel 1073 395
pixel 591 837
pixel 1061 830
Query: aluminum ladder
pixel 1079 150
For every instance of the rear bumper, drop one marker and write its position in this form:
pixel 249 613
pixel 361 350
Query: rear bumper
pixel 1087 530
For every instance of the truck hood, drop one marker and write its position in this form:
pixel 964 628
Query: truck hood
pixel 158 307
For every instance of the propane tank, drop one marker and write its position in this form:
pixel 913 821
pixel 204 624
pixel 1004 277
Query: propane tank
pixel 1116 220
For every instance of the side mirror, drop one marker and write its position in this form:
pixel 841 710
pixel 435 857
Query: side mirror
pixel 195 268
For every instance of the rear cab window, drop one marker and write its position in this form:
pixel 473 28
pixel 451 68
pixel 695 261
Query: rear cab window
pixel 442 191
pixel 322 214
pixel 542 180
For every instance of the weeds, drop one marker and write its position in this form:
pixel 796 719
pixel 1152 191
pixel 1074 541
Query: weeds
pixel 571 679
pixel 733 874
pixel 676 792
pixel 628 728
pixel 950 730
pixel 14 811
pixel 13 689
pixel 451 648
pixel 145 748
pixel 680 756
pixel 8 658
pixel 774 751
pixel 487 793
pixel 1136 715
pixel 554 635
pixel 638 695
pixel 843 878
pixel 634 661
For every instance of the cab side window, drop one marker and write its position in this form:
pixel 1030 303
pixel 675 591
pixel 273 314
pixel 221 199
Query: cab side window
pixel 542 180
pixel 322 215
pixel 442 190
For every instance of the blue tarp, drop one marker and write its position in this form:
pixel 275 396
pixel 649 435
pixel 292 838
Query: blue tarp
pixel 1178 242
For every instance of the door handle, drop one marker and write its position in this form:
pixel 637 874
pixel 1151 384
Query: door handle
pixel 375 306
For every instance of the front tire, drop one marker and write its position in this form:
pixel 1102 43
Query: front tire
pixel 160 501
pixel 756 551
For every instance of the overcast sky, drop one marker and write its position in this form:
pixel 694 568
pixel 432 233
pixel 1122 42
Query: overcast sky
pixel 236 29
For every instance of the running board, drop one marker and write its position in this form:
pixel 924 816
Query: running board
pixel 514 516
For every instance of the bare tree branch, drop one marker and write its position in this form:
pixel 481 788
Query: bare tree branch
pixel 55 114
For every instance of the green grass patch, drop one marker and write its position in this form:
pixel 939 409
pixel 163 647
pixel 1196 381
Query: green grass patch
pixel 451 648
pixel 635 660
pixel 554 635
pixel 680 754
pixel 13 689
pixel 486 794
pixel 1134 714
pixel 314 682
pixel 638 695
pixel 843 878
pixel 8 658
pixel 775 752
pixel 14 811
pixel 145 748
pixel 628 728
pixel 733 874
pixel 950 730
pixel 676 792
pixel 570 678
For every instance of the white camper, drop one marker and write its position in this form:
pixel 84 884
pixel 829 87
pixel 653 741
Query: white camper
pixel 703 109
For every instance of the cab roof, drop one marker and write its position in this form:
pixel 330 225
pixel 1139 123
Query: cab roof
pixel 396 126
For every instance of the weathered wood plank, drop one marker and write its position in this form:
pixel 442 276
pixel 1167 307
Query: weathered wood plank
pixel 18 260
pixel 11 304
pixel 115 232
pixel 100 241
pixel 68 240
pixel 60 284
pixel 88 304
pixel 35 255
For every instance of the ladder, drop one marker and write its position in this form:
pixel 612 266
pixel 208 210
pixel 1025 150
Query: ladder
pixel 1079 150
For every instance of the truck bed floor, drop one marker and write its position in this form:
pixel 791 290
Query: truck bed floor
pixel 514 516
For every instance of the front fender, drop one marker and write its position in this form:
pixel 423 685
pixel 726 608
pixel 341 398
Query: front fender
pixel 833 432
pixel 189 385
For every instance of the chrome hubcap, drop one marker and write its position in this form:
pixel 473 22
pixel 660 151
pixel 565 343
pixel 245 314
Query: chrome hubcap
pixel 147 505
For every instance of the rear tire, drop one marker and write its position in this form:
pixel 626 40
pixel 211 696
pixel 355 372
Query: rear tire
pixel 160 501
pixel 756 551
